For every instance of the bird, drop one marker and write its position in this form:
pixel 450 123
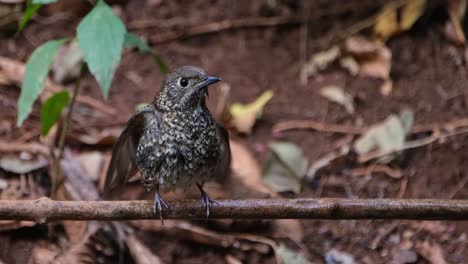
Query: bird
pixel 174 141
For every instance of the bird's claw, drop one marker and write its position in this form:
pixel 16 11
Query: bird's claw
pixel 158 205
pixel 207 203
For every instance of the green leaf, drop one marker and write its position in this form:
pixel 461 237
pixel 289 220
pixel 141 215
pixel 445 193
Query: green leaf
pixel 45 2
pixel 31 9
pixel 134 41
pixel 51 110
pixel 37 67
pixel 101 37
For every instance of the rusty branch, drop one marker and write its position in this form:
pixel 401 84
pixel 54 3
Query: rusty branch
pixel 45 210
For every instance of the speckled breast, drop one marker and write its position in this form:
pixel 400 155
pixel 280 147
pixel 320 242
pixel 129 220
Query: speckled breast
pixel 185 150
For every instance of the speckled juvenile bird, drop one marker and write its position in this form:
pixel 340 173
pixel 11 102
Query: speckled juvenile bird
pixel 174 141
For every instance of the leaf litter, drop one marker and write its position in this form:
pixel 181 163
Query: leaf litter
pixel 285 167
pixel 244 115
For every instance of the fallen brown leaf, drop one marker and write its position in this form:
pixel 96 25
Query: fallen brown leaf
pixel 93 163
pixel 374 59
pixel 379 66
pixel 454 29
pixel 319 61
pixel 431 251
pixel 338 95
pixel 246 169
pixel 232 260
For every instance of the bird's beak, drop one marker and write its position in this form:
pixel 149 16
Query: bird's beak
pixel 210 80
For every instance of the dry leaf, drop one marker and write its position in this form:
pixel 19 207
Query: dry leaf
pixel 454 30
pixel 3 184
pixel 246 168
pixel 432 252
pixel 285 167
pixel 319 61
pixel 291 228
pixel 386 136
pixel 387 87
pixel 374 59
pixel 92 162
pixel 361 47
pixel 20 165
pixel 387 24
pixel 232 260
pixel 338 95
pixel 379 66
pixel 410 13
pixel 244 116
pixel 350 64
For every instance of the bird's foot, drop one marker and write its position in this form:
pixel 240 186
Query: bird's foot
pixel 158 205
pixel 207 203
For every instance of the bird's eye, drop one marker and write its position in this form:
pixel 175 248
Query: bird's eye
pixel 183 82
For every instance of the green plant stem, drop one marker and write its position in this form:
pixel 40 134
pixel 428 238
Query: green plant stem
pixel 57 178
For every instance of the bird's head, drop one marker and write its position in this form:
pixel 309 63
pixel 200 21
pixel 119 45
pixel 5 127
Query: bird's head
pixel 185 88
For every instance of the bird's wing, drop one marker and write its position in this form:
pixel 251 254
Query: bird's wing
pixel 123 162
pixel 223 168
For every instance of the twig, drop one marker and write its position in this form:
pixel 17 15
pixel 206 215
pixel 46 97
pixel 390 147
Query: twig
pixel 226 25
pixel 96 104
pixel 459 186
pixel 377 168
pixel 412 144
pixel 344 129
pixel 44 209
pixel 56 180
pixel 36 148
pixel 382 234
pixel 318 126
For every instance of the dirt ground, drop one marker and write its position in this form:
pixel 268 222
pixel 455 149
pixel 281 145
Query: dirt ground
pixel 429 76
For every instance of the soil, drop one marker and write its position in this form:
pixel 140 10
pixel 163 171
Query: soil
pixel 429 76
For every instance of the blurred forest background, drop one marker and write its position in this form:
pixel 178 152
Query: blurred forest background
pixel 358 99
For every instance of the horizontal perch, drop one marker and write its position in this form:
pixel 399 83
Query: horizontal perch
pixel 44 209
